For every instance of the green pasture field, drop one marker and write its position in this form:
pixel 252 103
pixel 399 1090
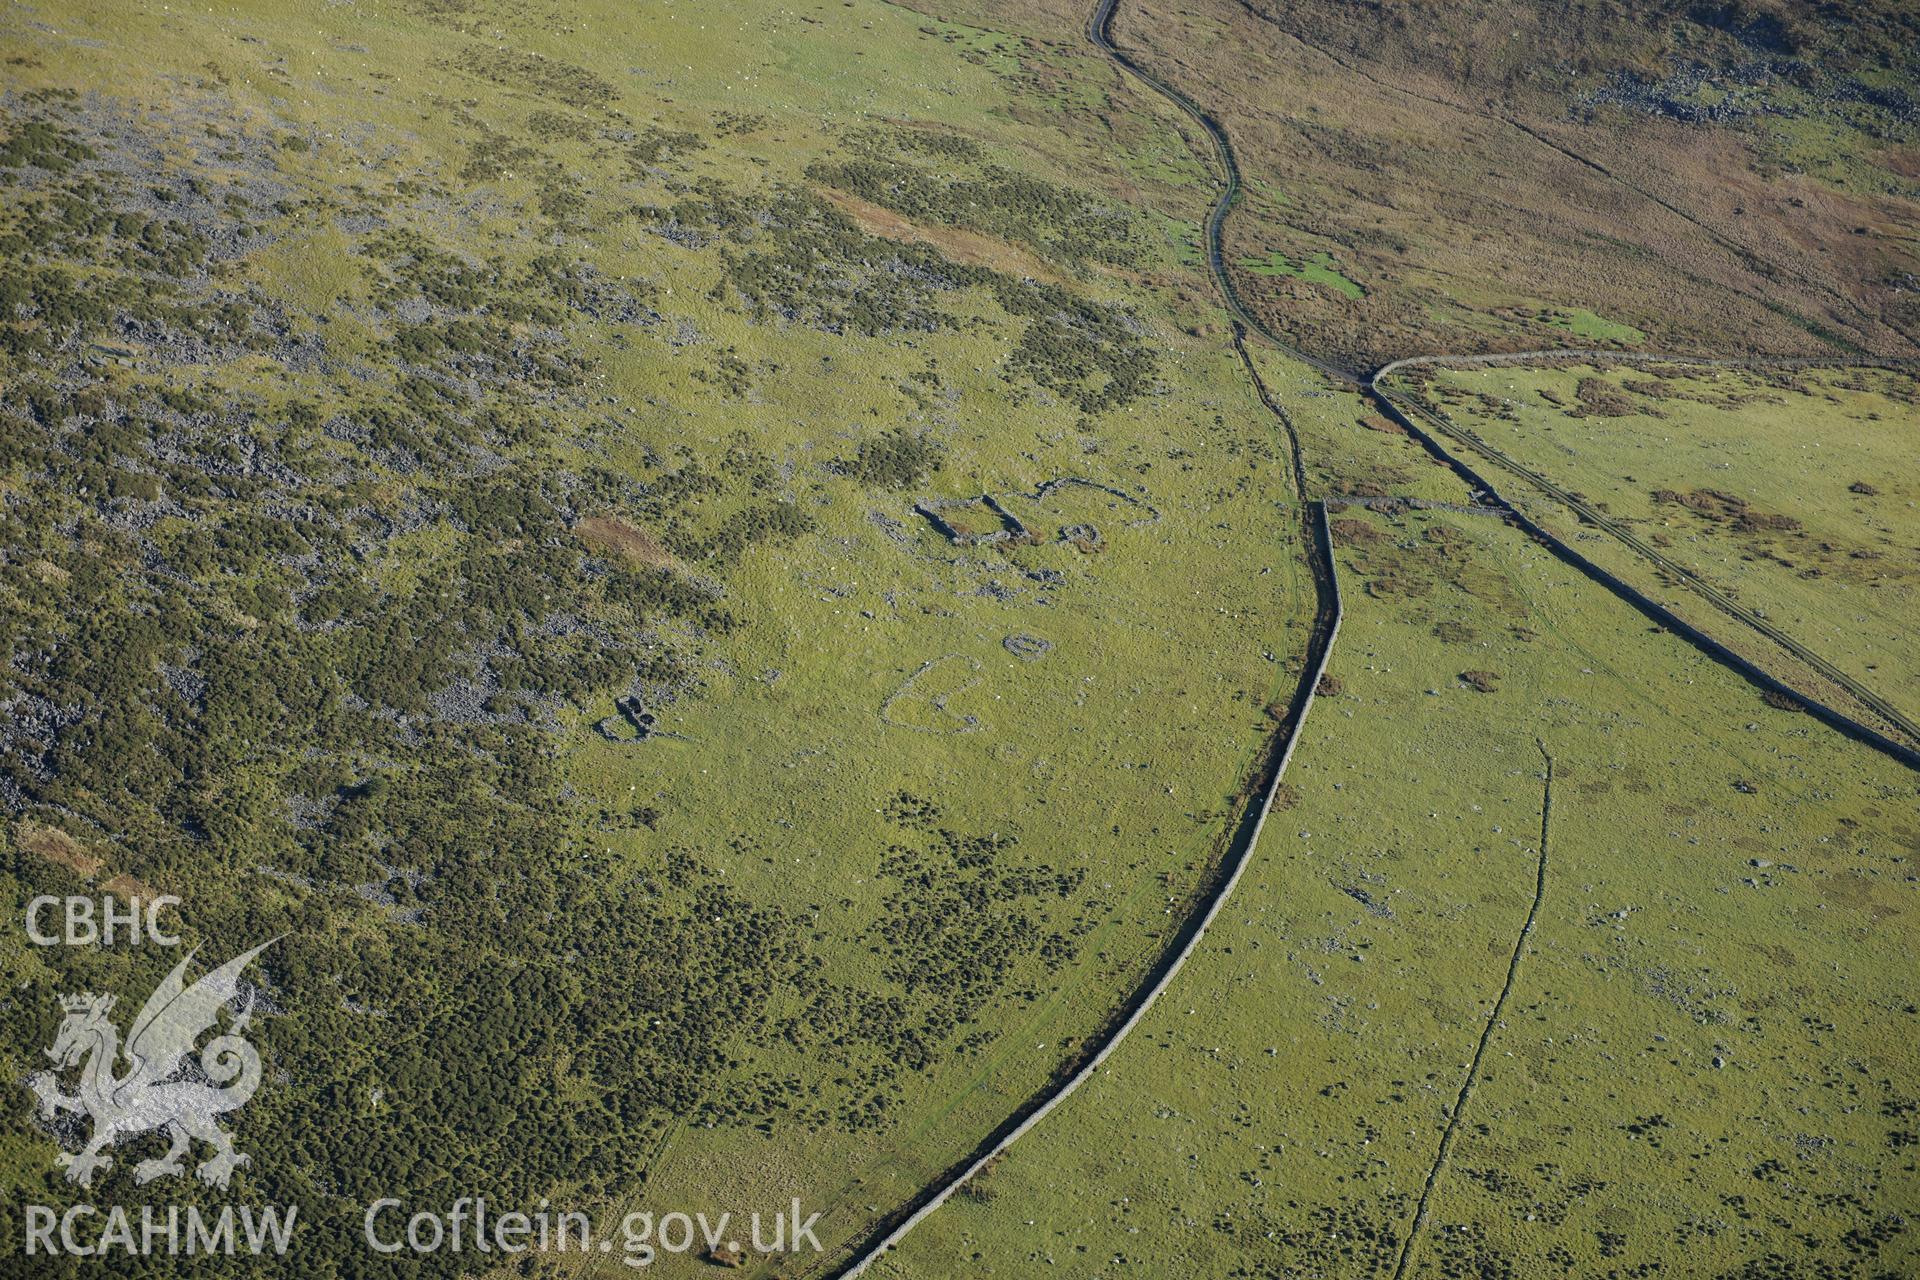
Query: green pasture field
pixel 581 398
pixel 1695 1071
pixel 1318 269
pixel 475 482
pixel 1791 491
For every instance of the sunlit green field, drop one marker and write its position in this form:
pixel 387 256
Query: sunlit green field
pixel 712 572
pixel 910 816
pixel 1791 491
pixel 1699 1069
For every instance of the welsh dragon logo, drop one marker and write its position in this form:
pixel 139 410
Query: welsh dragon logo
pixel 161 1086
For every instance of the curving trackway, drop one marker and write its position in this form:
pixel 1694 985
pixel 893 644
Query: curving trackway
pixel 861 1254
pixel 1318 542
pixel 1404 409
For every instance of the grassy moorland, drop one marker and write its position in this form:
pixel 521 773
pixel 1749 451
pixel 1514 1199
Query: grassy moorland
pixel 713 571
pixel 1789 491
pixel 1699 1068
pixel 388 393
pixel 1713 178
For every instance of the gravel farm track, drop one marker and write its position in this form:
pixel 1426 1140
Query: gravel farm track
pixel 1409 411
